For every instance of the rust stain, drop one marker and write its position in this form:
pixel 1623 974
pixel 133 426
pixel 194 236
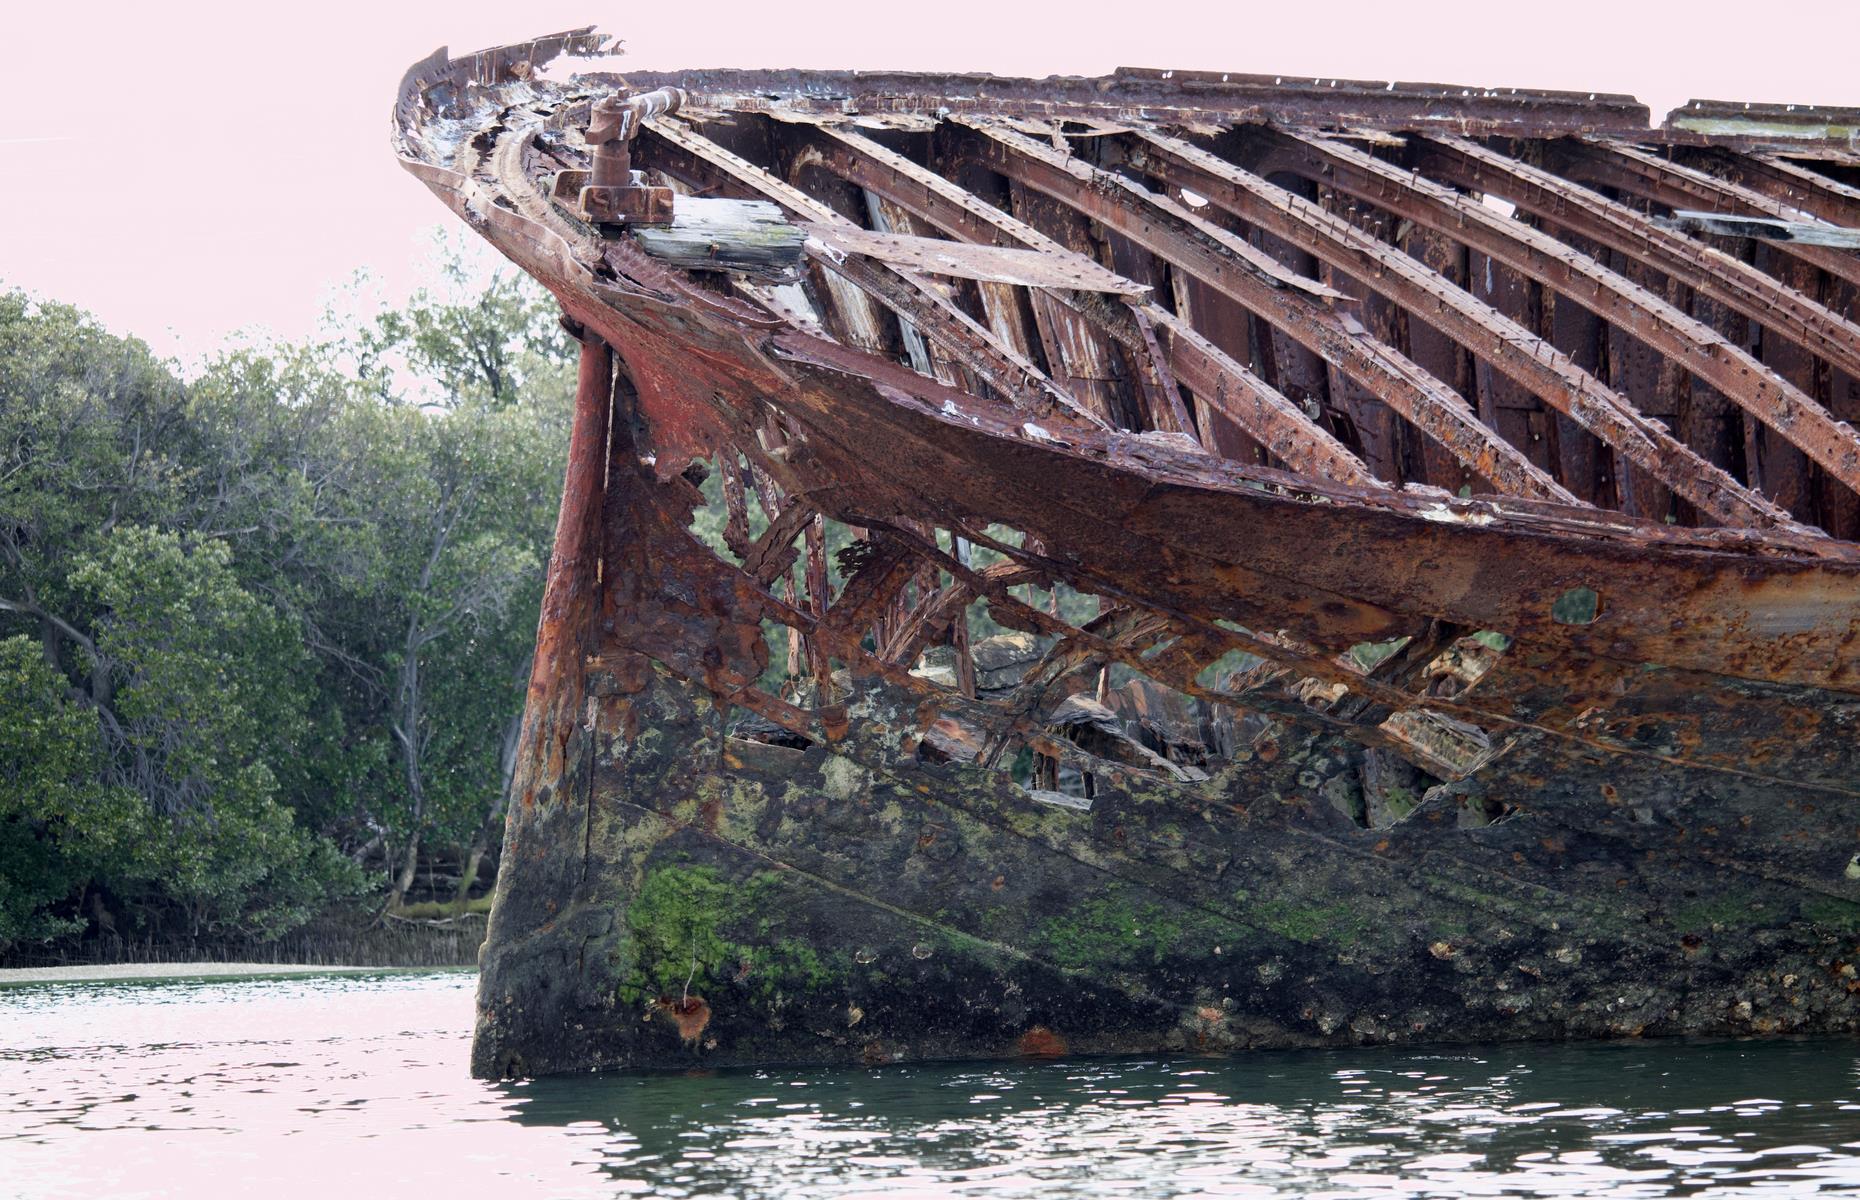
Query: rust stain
pixel 690 1015
pixel 1041 1042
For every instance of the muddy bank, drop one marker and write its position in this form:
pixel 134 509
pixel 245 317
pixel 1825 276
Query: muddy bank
pixel 343 939
pixel 118 972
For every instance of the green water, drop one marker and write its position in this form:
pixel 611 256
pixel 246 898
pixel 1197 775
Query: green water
pixel 341 1087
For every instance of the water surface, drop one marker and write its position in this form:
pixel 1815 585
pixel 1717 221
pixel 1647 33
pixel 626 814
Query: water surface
pixel 327 1086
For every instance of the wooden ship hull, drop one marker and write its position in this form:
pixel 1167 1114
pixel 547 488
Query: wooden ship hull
pixel 1171 562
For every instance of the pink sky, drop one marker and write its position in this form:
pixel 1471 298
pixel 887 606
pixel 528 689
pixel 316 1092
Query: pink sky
pixel 185 170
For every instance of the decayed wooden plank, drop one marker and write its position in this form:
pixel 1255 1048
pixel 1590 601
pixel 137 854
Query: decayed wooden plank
pixel 993 264
pixel 1773 229
pixel 751 236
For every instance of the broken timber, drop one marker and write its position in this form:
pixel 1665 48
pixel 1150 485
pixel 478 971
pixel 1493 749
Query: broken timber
pixel 1172 561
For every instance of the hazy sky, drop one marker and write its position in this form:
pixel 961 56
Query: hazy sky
pixel 188 169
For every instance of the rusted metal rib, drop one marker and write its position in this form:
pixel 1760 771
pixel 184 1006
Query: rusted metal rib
pixel 903 291
pixel 1823 152
pixel 1793 184
pixel 1204 96
pixel 1231 266
pixel 1781 311
pixel 565 634
pixel 774 552
pixel 1060 337
pixel 1631 169
pixel 1511 349
pixel 1249 401
pixel 1166 396
pixel 1698 349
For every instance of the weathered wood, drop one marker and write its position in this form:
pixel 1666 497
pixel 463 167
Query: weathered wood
pixel 751 236
pixel 1772 229
pixel 961 260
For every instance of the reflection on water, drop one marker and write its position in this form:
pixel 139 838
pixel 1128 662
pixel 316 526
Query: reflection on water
pixel 314 1084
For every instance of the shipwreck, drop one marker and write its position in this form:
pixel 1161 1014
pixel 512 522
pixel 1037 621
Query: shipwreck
pixel 1174 561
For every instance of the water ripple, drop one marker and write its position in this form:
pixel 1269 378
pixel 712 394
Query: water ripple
pixel 311 1084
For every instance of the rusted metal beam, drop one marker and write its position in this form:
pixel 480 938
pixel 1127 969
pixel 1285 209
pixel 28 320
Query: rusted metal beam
pixel 1826 153
pixel 1170 96
pixel 1780 310
pixel 906 293
pixel 1242 273
pixel 1694 346
pixel 1518 353
pixel 1257 407
pixel 955 211
pixel 571 590
pixel 1166 400
pixel 1629 168
pixel 1790 182
pixel 1224 384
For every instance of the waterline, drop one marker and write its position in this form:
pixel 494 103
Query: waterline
pixel 309 1084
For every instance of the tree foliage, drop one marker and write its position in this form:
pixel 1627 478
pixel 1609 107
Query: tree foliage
pixel 264 632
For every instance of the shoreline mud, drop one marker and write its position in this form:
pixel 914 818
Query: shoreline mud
pixel 126 972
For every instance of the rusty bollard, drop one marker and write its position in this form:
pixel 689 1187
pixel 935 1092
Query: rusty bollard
pixel 614 193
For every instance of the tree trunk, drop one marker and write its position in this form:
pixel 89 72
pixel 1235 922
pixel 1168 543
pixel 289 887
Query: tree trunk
pixel 493 817
pixel 468 874
pixel 408 865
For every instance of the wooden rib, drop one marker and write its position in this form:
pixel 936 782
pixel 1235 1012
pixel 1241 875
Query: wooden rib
pixel 1740 287
pixel 927 355
pixel 1238 394
pixel 1232 267
pixel 1519 354
pixel 1091 368
pixel 736 505
pixel 1698 349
